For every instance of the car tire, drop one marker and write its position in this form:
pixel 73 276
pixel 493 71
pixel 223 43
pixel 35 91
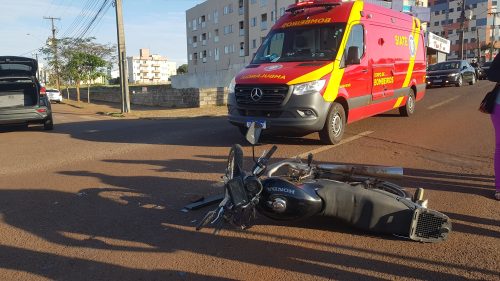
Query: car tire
pixel 473 80
pixel 335 124
pixel 409 108
pixel 460 81
pixel 48 124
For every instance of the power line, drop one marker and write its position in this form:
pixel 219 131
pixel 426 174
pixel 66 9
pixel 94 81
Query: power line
pixel 80 18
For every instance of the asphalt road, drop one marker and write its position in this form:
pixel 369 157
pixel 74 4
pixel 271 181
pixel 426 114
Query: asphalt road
pixel 100 198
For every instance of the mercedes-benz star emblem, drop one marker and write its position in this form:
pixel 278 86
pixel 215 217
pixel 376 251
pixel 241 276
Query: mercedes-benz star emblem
pixel 256 94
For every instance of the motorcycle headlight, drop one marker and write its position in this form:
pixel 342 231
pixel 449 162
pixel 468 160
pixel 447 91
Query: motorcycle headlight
pixel 313 87
pixel 232 85
pixel 452 74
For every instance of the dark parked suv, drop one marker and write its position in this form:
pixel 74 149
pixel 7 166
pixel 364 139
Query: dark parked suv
pixel 455 72
pixel 22 99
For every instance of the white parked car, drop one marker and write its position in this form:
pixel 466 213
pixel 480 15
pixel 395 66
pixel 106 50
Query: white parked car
pixel 54 95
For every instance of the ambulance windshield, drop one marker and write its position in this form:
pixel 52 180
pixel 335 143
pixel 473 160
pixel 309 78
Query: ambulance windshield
pixel 310 43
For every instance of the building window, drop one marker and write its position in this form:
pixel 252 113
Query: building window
pixel 216 16
pixel 436 13
pixel 263 21
pixel 450 10
pixel 263 3
pixel 253 21
pixel 436 23
pixel 216 54
pixel 282 11
pixel 253 1
pixel 228 9
pixel 474 6
pixel 254 43
pixel 228 29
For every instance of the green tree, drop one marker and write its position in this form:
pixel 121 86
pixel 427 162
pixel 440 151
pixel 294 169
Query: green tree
pixel 84 67
pixel 67 48
pixel 182 69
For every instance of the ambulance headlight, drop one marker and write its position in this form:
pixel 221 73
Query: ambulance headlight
pixel 452 74
pixel 232 85
pixel 313 87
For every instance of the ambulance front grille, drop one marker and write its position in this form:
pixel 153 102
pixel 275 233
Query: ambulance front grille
pixel 272 95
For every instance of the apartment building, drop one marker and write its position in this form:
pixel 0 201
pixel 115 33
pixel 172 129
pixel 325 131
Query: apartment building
pixel 478 26
pixel 150 69
pixel 225 33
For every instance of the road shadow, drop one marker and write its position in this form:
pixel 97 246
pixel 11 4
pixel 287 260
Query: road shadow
pixel 144 213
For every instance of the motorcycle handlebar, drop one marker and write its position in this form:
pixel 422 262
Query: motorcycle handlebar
pixel 295 165
pixel 270 153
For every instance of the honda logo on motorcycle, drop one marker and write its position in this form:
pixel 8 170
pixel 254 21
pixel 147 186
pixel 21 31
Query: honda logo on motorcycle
pixel 256 94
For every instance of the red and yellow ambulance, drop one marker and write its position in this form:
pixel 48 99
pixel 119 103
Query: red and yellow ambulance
pixel 328 63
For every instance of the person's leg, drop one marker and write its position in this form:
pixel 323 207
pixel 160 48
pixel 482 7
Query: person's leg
pixel 495 118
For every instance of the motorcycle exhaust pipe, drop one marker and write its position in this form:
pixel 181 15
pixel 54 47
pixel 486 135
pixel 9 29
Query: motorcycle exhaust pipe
pixel 371 171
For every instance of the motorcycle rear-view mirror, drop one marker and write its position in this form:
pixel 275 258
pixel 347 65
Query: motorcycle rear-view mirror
pixel 253 133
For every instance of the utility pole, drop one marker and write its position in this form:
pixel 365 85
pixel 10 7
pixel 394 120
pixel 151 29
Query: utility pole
pixel 54 48
pixel 493 29
pixel 122 57
pixel 462 21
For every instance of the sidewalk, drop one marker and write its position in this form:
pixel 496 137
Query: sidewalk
pixel 144 112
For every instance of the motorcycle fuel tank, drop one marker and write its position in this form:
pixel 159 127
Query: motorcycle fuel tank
pixel 282 200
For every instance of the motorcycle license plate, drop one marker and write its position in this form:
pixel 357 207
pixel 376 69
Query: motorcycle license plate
pixel 259 123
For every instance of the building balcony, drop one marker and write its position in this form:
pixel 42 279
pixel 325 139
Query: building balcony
pixel 195 44
pixel 242 32
pixel 156 65
pixel 204 42
pixel 204 60
pixel 263 25
pixel 242 52
pixel 203 24
pixel 156 71
pixel 216 39
pixel 144 65
pixel 241 11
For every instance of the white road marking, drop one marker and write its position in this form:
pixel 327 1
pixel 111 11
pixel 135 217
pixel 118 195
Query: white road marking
pixel 327 147
pixel 443 102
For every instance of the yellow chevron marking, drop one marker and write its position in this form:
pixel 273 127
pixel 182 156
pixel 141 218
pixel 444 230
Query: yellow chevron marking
pixel 314 75
pixel 332 89
pixel 398 102
pixel 416 36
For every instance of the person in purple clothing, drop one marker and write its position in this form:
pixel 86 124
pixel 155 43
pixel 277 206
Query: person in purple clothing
pixel 494 75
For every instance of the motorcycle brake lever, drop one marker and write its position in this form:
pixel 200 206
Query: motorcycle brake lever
pixel 208 218
pixel 218 221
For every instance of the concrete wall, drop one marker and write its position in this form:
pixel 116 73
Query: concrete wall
pixel 211 79
pixel 156 95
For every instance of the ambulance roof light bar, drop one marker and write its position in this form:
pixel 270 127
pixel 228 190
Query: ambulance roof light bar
pixel 328 4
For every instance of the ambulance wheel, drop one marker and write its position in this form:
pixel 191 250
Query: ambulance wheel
pixel 334 128
pixel 459 81
pixel 409 108
pixel 473 81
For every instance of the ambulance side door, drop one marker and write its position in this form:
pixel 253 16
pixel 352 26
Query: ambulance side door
pixel 357 75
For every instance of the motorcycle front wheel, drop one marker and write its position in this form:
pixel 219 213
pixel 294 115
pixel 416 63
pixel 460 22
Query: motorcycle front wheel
pixel 234 162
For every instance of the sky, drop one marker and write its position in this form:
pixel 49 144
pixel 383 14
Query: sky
pixel 155 24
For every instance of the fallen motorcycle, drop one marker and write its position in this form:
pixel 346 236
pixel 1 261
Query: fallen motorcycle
pixel 354 194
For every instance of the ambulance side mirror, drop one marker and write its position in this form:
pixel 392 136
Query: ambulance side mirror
pixel 353 55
